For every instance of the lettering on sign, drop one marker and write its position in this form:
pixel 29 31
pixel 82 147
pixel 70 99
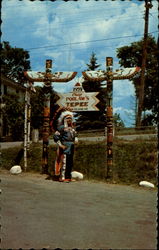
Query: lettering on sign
pixel 78 99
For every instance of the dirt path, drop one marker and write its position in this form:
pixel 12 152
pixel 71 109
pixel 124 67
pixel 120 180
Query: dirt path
pixel 39 213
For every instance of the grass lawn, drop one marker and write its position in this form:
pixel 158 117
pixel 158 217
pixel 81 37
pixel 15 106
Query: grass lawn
pixel 132 161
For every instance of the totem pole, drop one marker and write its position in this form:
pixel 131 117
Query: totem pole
pixel 109 115
pixel 47 77
pixel 46 117
pixel 109 76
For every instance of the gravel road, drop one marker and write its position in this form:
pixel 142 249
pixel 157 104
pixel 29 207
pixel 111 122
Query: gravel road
pixel 39 213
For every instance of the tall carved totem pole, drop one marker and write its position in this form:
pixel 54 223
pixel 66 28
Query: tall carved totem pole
pixel 47 78
pixel 109 76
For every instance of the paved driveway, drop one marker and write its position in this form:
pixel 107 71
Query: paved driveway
pixel 39 213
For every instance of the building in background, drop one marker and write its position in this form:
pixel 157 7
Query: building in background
pixel 8 87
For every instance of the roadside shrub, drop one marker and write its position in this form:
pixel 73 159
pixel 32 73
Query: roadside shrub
pixel 8 157
pixel 90 159
pixel 135 162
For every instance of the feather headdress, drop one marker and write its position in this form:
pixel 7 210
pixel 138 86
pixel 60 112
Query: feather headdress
pixel 59 116
pixel 63 116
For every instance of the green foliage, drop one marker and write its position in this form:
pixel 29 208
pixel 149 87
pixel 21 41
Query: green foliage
pixel 90 159
pixel 13 62
pixel 37 105
pixel 13 114
pixel 93 119
pixel 8 157
pixel 93 62
pixel 133 161
pixel 118 122
pixel 131 56
pixel 34 162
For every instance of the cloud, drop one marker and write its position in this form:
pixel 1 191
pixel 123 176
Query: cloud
pixel 123 88
pixel 54 24
pixel 61 25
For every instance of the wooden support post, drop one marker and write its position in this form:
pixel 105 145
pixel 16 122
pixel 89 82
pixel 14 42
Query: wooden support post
pixel 148 5
pixel 27 115
pixel 28 121
pixel 25 129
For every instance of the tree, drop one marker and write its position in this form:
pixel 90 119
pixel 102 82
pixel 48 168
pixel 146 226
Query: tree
pixel 118 122
pixel 131 56
pixel 13 114
pixel 93 62
pixel 93 119
pixel 37 105
pixel 13 62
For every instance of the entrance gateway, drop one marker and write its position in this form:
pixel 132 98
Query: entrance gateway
pixel 79 100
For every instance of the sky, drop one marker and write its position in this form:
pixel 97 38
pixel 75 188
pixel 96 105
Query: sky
pixel 68 33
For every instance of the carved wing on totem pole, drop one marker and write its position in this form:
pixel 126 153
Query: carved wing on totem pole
pixel 126 73
pixel 53 77
pixel 99 75
pixel 118 74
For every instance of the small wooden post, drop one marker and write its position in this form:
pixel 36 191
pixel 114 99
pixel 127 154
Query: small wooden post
pixel 27 115
pixel 25 129
pixel 28 121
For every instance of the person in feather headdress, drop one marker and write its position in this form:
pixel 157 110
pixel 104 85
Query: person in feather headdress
pixel 65 136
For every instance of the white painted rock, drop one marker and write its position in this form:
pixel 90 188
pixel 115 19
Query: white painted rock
pixel 77 175
pixel 15 169
pixel 146 184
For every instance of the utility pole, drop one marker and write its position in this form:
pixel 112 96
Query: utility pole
pixel 108 75
pixel 47 78
pixel 148 5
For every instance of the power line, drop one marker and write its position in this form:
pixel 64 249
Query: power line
pixel 71 24
pixel 65 11
pixel 76 15
pixel 95 49
pixel 88 23
pixel 91 41
pixel 79 17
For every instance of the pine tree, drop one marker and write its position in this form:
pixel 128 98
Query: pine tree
pixel 93 62
pixel 118 122
pixel 93 119
pixel 37 106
